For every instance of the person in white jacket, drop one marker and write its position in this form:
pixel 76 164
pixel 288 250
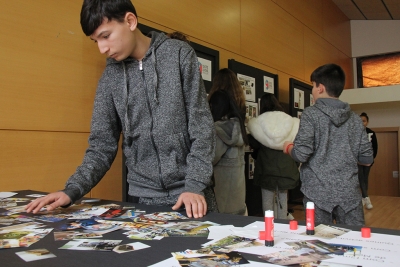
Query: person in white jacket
pixel 275 172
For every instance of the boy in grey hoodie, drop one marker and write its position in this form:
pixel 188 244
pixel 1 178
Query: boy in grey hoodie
pixel 152 92
pixel 330 142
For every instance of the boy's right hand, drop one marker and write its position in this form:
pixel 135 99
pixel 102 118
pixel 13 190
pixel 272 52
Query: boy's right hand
pixel 286 147
pixel 53 201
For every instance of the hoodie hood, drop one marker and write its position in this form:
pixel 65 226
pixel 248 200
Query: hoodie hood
pixel 156 40
pixel 273 128
pixel 337 111
pixel 229 132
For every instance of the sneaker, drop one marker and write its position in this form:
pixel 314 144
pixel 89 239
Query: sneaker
pixel 363 201
pixel 290 216
pixel 368 204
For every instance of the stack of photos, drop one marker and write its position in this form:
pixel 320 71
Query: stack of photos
pixel 22 235
pixel 92 244
pixel 212 259
pixel 35 254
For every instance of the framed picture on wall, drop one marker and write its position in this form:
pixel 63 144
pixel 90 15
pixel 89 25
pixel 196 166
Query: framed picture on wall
pixel 255 82
pixel 300 97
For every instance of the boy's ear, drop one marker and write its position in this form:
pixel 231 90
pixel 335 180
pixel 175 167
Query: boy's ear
pixel 132 21
pixel 321 88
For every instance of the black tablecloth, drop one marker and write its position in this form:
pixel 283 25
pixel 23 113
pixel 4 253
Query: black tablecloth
pixel 159 249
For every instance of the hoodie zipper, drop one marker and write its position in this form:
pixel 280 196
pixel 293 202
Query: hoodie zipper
pixel 151 126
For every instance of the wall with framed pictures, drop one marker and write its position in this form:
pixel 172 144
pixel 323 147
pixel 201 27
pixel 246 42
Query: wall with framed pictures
pixel 255 82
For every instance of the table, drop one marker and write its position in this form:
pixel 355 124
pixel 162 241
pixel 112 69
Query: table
pixel 159 250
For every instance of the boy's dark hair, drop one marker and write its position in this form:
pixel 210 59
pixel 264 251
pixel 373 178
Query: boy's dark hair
pixel 94 12
pixel 222 107
pixel 331 76
pixel 268 102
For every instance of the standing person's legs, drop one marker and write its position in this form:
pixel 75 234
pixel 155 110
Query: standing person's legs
pixel 267 197
pixel 320 215
pixel 362 180
pixel 363 174
pixel 282 204
pixel 353 217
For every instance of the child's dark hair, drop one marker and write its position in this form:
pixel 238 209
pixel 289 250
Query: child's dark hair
pixel 332 77
pixel 94 12
pixel 178 35
pixel 364 115
pixel 226 80
pixel 223 107
pixel 268 102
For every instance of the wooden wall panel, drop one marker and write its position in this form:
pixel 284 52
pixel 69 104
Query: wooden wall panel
pixel 49 68
pixel 215 22
pixel 336 26
pixel 44 161
pixel 271 37
pixel 309 13
pixel 317 52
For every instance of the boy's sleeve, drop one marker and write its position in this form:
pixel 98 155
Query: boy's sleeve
pixel 365 154
pixel 103 146
pixel 200 126
pixel 304 141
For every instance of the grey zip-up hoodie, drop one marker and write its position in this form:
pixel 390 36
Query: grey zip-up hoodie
pixel 330 142
pixel 160 106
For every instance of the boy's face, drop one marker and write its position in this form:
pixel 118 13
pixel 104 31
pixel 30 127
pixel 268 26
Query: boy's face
pixel 115 39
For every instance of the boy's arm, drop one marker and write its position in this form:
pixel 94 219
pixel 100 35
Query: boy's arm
pixel 303 146
pixel 201 132
pixel 103 146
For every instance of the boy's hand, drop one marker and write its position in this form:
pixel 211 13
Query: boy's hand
pixel 195 204
pixel 53 200
pixel 286 147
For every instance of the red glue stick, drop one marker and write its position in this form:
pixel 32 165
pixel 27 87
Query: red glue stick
pixel 310 218
pixel 269 228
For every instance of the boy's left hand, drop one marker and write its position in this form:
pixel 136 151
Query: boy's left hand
pixel 195 204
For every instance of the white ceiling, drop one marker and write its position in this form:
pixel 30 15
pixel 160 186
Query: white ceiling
pixel 370 9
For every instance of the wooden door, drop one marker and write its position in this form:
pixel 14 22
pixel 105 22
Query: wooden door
pixel 381 180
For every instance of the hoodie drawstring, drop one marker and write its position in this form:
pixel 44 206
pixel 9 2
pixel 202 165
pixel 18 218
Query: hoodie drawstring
pixel 155 79
pixel 125 97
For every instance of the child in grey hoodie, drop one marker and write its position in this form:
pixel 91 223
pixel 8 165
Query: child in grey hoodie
pixel 330 142
pixel 152 92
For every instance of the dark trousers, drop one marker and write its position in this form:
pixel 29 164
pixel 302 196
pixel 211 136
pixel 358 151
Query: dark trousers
pixel 363 173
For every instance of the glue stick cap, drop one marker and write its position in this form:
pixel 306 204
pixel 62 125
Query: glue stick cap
pixel 310 205
pixel 269 213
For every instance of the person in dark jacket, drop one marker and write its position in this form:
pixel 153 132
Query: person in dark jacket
pixel 275 172
pixel 363 171
pixel 152 92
